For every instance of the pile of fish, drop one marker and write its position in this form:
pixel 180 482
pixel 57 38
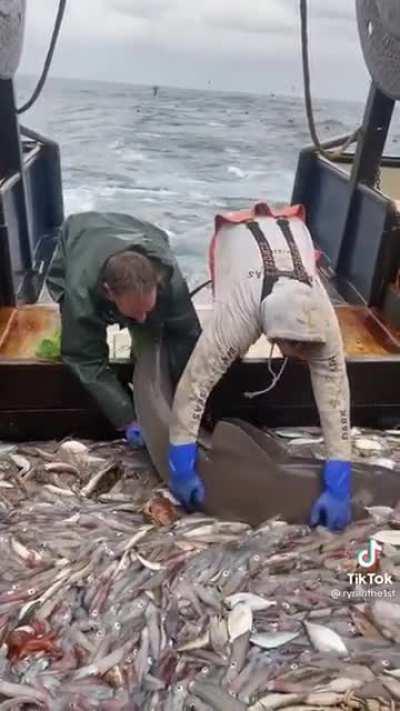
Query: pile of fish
pixel 113 598
pixel 375 447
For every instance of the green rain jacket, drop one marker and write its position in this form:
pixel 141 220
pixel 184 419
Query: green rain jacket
pixel 86 242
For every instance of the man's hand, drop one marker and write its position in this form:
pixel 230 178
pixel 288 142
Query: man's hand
pixel 133 434
pixel 185 482
pixel 333 508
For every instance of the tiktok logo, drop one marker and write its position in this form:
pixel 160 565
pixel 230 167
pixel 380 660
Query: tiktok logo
pixel 369 556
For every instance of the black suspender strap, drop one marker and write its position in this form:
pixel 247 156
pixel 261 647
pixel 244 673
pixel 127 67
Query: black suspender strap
pixel 270 271
pixel 299 271
pixel 264 247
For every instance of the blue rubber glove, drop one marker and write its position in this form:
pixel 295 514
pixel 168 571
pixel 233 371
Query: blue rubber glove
pixel 184 481
pixel 333 508
pixel 133 434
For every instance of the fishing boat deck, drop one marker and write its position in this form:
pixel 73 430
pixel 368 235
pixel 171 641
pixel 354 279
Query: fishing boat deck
pixel 364 333
pixel 40 396
pixel 22 330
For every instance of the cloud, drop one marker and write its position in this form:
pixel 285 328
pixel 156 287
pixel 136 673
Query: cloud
pixel 148 9
pixel 340 10
pixel 242 44
pixel 95 21
pixel 252 16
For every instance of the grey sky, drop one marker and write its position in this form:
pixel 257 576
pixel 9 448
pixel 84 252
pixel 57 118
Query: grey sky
pixel 237 45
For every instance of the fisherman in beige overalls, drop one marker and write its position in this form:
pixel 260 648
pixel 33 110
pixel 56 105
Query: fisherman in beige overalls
pixel 265 280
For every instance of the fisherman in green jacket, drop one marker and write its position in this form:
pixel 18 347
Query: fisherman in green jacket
pixel 111 268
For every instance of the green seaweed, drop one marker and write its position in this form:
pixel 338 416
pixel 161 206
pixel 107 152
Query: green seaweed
pixel 50 348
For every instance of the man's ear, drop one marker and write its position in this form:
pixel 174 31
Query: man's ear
pixel 107 291
pixel 162 277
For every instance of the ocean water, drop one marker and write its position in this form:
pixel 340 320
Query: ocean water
pixel 178 158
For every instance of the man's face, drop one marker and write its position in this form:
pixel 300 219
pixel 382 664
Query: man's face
pixel 133 305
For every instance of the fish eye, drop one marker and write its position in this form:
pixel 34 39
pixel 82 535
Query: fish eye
pixel 31 591
pixel 94 613
pixel 225 574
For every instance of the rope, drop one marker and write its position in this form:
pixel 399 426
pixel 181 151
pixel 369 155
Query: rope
pixel 344 142
pixel 48 60
pixel 275 377
pixel 199 288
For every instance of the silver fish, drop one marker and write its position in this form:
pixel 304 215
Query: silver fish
pixel 216 696
pixel 255 602
pixel 325 639
pixel 276 701
pixel 22 463
pixel 240 621
pixel 271 640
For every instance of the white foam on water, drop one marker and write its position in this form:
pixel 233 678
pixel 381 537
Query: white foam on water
pixel 202 197
pixel 132 156
pixel 80 199
pixel 116 145
pixel 113 191
pixel 238 172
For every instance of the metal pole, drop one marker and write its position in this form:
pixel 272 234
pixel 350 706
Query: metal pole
pixel 375 128
pixel 367 159
pixel 11 163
